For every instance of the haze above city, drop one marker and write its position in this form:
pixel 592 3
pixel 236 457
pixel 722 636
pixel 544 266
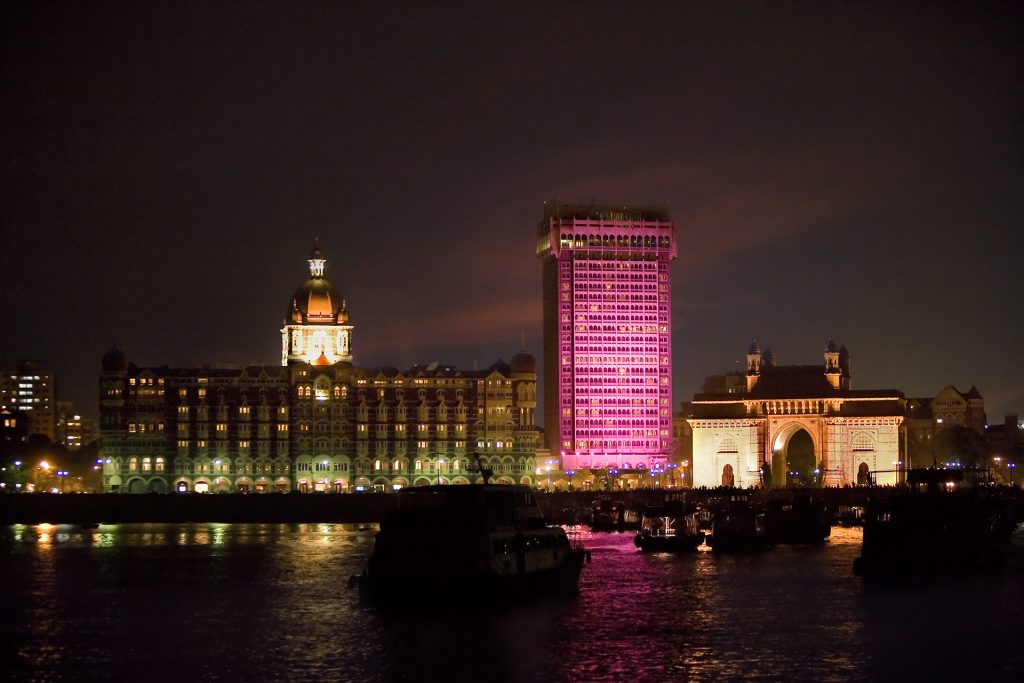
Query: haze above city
pixel 833 171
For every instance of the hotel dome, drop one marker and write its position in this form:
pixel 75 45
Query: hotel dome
pixel 523 362
pixel 316 301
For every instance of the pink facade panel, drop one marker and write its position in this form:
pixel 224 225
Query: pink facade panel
pixel 611 335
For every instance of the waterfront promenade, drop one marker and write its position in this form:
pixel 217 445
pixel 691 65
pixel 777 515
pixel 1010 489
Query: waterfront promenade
pixel 561 507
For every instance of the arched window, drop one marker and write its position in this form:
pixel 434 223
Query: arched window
pixel 133 464
pixel 376 465
pixel 728 445
pixel 160 464
pixel 862 443
pixel 323 388
pixel 147 464
pixel 419 465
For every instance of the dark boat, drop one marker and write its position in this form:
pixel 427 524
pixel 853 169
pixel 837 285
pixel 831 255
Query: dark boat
pixel 669 527
pixel 739 527
pixel 477 540
pixel 611 515
pixel 948 521
pixel 800 519
pixel 849 515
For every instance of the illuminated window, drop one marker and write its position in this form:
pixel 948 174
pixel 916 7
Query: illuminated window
pixel 160 464
pixel 146 465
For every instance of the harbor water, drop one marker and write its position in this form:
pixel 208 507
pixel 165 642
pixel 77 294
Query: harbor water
pixel 244 602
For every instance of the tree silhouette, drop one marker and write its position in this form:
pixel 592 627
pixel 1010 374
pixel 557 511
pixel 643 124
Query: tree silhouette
pixel 960 444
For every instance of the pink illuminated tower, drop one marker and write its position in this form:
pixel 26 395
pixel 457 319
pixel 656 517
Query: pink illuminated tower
pixel 607 334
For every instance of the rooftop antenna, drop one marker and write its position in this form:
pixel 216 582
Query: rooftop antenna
pixel 523 332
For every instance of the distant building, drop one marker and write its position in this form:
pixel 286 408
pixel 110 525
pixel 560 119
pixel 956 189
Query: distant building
pixel 13 427
pixel 316 422
pixel 680 466
pixel 607 335
pixel 74 430
pixel 32 388
pixel 796 425
pixel 927 416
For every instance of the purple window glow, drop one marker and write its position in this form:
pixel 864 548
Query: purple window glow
pixel 607 334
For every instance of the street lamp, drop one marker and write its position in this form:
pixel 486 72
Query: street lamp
pixel 61 474
pixel 569 474
pixel 440 464
pixel 45 467
pixel 612 473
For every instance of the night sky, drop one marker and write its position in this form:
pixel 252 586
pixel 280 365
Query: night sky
pixel 850 170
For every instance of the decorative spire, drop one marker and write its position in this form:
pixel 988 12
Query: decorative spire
pixel 316 260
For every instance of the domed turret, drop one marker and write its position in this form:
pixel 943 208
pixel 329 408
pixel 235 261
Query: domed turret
pixel 316 324
pixel 754 348
pixel 114 360
pixel 523 362
pixel 316 302
pixel 830 346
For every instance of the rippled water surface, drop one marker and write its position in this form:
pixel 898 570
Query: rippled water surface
pixel 269 602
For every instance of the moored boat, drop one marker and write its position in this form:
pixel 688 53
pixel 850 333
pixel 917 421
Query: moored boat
pixel 739 527
pixel 669 527
pixel 800 519
pixel 486 538
pixel 948 521
pixel 612 515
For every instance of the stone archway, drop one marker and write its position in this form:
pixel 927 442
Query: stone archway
pixel 136 485
pixel 728 476
pixel 801 463
pixel 796 458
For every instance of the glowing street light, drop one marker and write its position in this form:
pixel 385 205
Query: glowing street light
pixel 671 467
pixel 440 464
pixel 570 473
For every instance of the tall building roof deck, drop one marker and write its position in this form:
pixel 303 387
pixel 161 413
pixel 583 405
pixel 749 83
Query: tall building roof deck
pixel 605 212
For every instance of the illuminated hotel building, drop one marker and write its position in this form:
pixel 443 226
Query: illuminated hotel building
pixel 315 422
pixel 316 324
pixel 607 334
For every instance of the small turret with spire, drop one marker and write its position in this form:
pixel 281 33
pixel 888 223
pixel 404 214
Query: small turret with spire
pixel 833 373
pixel 753 365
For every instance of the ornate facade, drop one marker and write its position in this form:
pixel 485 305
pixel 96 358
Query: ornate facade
pixel 316 422
pixel 796 425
